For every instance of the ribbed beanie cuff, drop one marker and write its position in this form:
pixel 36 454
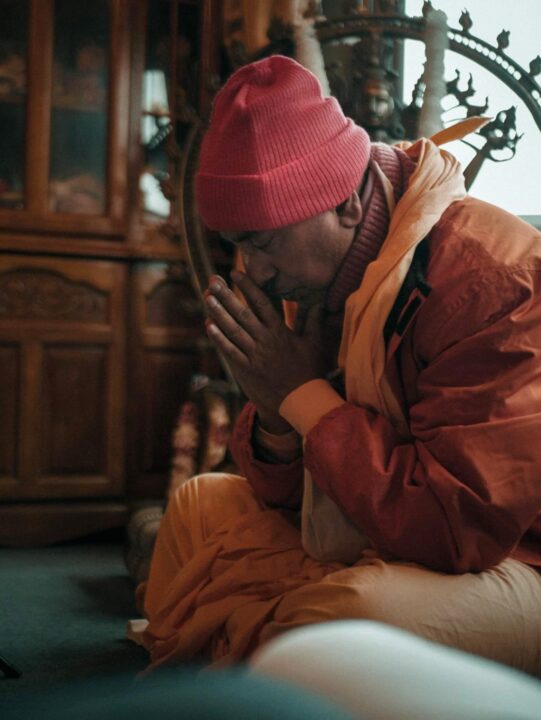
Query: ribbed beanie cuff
pixel 276 151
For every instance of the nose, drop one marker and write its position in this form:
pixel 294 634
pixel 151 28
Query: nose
pixel 258 265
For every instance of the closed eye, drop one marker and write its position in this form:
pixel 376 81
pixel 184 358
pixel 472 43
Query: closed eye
pixel 262 242
pixel 247 240
pixel 237 238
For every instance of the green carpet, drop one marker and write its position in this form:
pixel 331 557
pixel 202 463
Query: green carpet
pixel 63 614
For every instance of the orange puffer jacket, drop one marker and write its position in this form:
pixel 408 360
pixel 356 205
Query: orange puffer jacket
pixel 464 356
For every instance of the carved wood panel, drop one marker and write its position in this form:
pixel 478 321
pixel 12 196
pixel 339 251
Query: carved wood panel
pixel 174 304
pixel 167 375
pixel 167 346
pixel 73 413
pixel 62 330
pixel 46 294
pixel 9 396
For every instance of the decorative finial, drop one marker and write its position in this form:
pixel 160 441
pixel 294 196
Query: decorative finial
pixel 535 66
pixel 470 90
pixel 503 39
pixel 465 21
pixel 501 135
pixel 427 6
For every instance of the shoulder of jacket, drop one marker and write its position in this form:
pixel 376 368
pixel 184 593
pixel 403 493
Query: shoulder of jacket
pixel 482 237
pixel 483 263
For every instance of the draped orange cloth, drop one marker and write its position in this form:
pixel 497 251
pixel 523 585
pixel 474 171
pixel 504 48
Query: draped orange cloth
pixel 228 574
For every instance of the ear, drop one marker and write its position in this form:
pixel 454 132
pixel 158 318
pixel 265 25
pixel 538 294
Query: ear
pixel 350 211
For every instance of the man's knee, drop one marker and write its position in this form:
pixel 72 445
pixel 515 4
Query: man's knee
pixel 349 594
pixel 214 497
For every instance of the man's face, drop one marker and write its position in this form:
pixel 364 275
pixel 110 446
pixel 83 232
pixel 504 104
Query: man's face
pixel 297 262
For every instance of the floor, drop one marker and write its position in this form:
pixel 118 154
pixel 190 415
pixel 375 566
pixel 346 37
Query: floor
pixel 63 614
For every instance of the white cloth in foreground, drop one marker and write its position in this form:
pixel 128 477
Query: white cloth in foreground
pixel 380 673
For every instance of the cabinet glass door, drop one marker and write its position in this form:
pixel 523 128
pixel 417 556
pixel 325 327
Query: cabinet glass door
pixel 169 100
pixel 79 113
pixel 156 112
pixel 13 90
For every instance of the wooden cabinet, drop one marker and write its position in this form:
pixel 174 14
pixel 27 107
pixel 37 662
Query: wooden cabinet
pixel 100 330
pixel 167 349
pixel 62 346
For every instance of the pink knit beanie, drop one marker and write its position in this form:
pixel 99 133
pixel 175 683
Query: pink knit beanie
pixel 276 151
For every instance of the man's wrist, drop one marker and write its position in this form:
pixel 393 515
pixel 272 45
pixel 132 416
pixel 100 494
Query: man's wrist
pixel 273 424
pixel 281 448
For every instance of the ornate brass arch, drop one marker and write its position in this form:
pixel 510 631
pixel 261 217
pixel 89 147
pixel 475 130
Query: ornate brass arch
pixel 192 233
pixel 392 25
pixel 488 56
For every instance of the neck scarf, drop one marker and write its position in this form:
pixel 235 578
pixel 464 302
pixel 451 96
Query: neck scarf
pixel 436 183
pixel 372 229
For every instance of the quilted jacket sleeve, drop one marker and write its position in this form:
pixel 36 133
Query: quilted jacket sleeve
pixel 278 485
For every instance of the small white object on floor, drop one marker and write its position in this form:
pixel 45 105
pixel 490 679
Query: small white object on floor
pixel 135 630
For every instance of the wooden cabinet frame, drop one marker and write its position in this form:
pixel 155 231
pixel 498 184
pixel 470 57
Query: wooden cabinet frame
pixel 140 355
pixel 36 217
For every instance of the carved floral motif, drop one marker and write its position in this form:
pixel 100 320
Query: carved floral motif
pixel 37 294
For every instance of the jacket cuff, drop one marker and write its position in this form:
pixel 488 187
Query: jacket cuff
pixel 283 448
pixel 306 405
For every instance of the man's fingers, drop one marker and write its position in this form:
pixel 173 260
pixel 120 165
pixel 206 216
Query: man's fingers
pixel 256 298
pixel 231 351
pixel 230 327
pixel 238 310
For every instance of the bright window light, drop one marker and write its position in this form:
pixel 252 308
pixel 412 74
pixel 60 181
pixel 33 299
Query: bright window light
pixel 513 185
